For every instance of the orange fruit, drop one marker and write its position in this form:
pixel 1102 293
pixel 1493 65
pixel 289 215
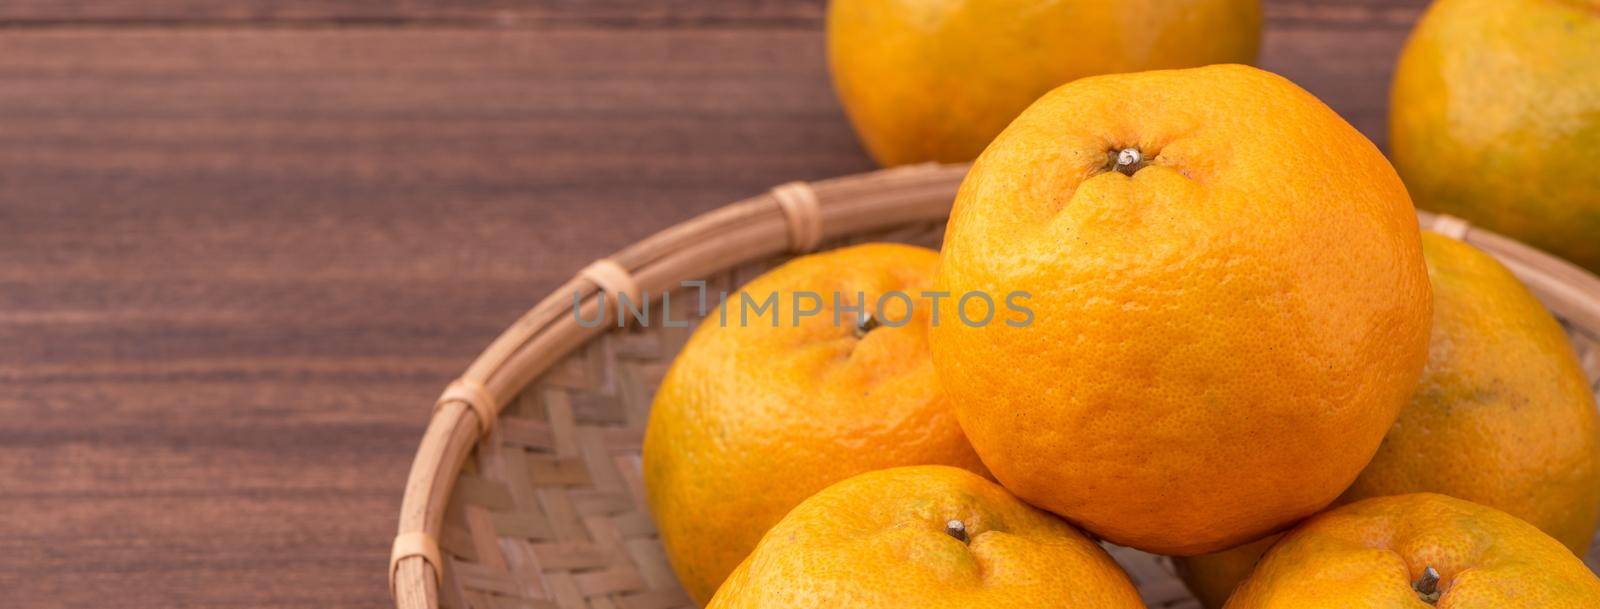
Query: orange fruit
pixel 935 80
pixel 1220 339
pixel 1495 117
pixel 1212 578
pixel 1414 551
pixel 1502 417
pixel 754 417
pixel 929 537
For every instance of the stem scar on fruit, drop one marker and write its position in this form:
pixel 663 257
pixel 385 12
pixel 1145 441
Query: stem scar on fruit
pixel 866 324
pixel 1427 586
pixel 1127 161
pixel 956 529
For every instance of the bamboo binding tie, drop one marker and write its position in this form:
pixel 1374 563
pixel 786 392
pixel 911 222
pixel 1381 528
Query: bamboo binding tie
pixel 611 279
pixel 1451 226
pixel 475 396
pixel 415 543
pixel 799 204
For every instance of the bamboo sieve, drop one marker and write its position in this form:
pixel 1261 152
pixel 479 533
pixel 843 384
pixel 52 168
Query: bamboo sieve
pixel 526 490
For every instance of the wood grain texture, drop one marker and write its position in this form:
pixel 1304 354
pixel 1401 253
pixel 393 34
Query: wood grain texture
pixel 545 13
pixel 243 247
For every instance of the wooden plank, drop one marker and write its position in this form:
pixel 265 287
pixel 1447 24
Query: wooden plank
pixel 477 13
pixel 236 266
pixel 262 157
pixel 1348 70
pixel 201 493
pixel 806 14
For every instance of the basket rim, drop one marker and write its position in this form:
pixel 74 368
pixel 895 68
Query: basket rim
pixel 791 218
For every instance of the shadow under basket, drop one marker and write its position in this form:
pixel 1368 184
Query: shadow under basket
pixel 526 491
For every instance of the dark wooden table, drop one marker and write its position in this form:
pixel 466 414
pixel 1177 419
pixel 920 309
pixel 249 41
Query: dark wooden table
pixel 244 244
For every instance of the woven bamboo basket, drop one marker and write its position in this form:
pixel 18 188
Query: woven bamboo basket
pixel 527 490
